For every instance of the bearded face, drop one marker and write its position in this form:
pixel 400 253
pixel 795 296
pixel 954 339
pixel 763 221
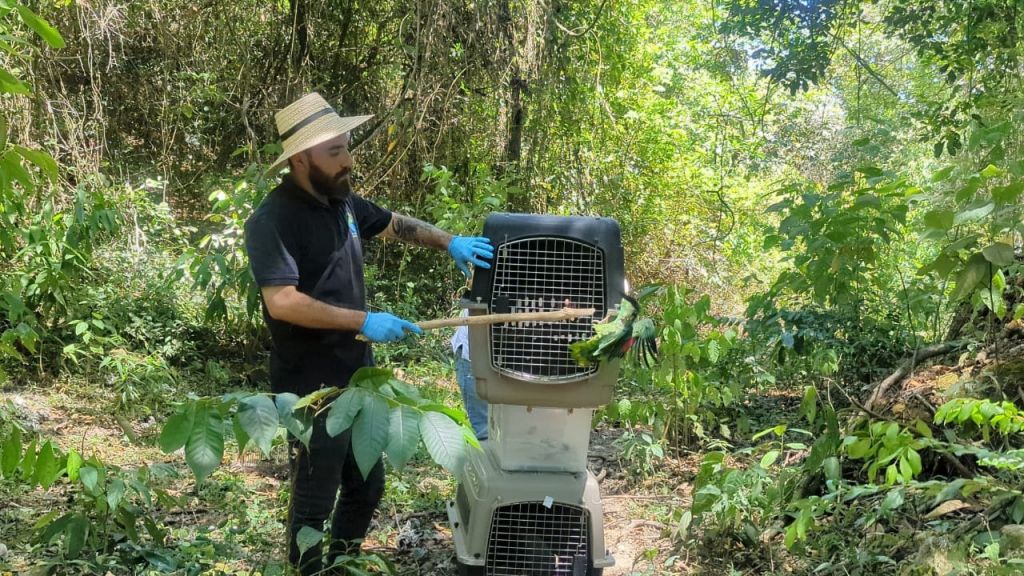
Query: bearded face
pixel 336 187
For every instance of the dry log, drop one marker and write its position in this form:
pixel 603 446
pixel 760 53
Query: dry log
pixel 902 372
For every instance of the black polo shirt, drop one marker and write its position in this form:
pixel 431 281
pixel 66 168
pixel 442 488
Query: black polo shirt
pixel 293 239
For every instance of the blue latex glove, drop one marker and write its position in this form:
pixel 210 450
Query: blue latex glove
pixel 475 250
pixel 384 327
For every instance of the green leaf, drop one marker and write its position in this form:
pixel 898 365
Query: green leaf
pixel 52 528
pixel 999 254
pixel 991 171
pixel 939 219
pixel 370 433
pixel 942 265
pixel 713 351
pixel 89 477
pixel 809 404
pixel 769 458
pixel 205 446
pixel 371 377
pixel 28 462
pixel 914 459
pixel 258 417
pixel 859 449
pixel 942 174
pixel 73 465
pixel 832 469
pixel 906 471
pixel 160 561
pixel 78 534
pixel 443 439
pixel 307 537
pixel 47 466
pixel 11 453
pixel 41 27
pixel 870 171
pixel 177 430
pixel 42 160
pixel 974 214
pixel 11 84
pixel 241 436
pixel 115 492
pixel 344 410
pixel 403 436
pixel 973 274
pixel 298 426
pixel 1008 194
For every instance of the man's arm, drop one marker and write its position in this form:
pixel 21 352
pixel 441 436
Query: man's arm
pixel 289 305
pixel 417 232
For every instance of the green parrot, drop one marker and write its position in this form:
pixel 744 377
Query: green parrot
pixel 618 335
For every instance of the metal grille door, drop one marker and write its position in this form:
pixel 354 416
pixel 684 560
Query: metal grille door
pixel 530 539
pixel 541 275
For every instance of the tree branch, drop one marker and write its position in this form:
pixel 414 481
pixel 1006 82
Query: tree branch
pixel 901 373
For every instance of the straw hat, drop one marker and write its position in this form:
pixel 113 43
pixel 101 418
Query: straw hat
pixel 309 121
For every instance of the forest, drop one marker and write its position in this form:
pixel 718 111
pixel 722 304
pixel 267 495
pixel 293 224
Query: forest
pixel 820 205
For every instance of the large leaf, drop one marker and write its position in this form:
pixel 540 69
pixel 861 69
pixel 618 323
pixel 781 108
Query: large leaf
pixel 41 27
pixel 115 493
pixel 443 439
pixel 258 417
pixel 46 164
pixel 11 455
pixel 74 464
pixel 999 254
pixel 241 436
pixel 973 274
pixel 47 466
pixel 307 537
pixel 344 409
pixel 205 447
pixel 294 422
pixel 90 478
pixel 370 433
pixel 28 462
pixel 177 430
pixel 77 534
pixel 371 377
pixel 939 219
pixel 403 436
pixel 974 213
pixel 12 85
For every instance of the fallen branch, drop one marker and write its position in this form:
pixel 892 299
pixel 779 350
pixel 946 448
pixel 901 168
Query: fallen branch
pixel 902 372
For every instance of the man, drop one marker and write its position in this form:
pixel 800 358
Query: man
pixel 305 250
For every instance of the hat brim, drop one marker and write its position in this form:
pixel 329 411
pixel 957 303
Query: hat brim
pixel 317 132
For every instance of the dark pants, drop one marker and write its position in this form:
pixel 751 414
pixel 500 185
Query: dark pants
pixel 316 474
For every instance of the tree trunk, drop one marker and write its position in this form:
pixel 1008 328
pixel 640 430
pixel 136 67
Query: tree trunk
pixel 298 48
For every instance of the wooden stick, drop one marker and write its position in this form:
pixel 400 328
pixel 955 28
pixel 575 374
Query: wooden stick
pixel 552 316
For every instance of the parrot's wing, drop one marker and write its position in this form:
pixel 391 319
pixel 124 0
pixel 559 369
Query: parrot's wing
pixel 645 341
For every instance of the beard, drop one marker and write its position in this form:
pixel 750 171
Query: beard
pixel 336 188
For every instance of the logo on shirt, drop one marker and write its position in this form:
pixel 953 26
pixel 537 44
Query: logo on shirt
pixel 352 228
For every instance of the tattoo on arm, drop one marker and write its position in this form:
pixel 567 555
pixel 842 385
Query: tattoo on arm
pixel 417 232
pixel 406 229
